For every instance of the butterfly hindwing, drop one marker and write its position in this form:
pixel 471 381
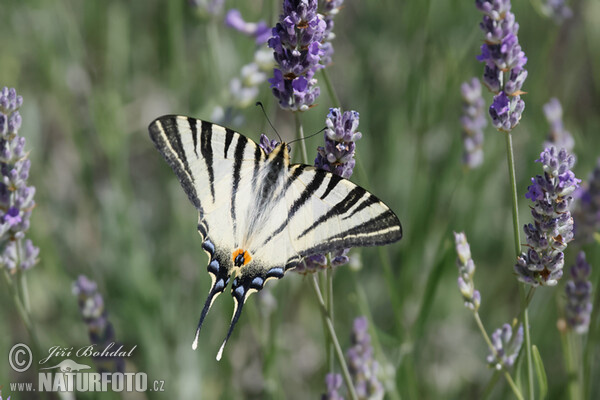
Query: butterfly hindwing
pixel 259 215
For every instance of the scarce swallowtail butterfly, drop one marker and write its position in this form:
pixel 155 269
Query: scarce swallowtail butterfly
pixel 259 215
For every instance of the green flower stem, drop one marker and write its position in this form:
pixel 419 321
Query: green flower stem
pixel 332 94
pixel 300 135
pixel 517 242
pixel 329 292
pixel 330 329
pixel 509 379
pixel 22 310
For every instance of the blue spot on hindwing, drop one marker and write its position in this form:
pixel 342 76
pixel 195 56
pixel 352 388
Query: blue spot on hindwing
pixel 240 291
pixel 257 282
pixel 219 285
pixel 213 267
pixel 276 272
pixel 209 247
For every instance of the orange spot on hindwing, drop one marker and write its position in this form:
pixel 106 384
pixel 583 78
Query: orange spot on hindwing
pixel 241 257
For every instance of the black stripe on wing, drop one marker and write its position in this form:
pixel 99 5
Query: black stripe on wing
pixel 164 132
pixel 207 152
pixel 308 191
pixel 237 166
pixel 340 208
pixel 383 229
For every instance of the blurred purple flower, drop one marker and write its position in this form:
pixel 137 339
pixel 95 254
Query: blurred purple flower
pixel 259 30
pixel 504 60
pixel 466 270
pixel 587 209
pixel 552 229
pixel 334 383
pixel 329 9
pixel 212 7
pixel 296 43
pixel 361 364
pixel 473 121
pixel 101 331
pixel 16 198
pixel 558 135
pixel 579 296
pixel 506 348
pixel 557 10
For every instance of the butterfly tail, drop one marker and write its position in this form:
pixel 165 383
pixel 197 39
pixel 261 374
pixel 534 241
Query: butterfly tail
pixel 220 280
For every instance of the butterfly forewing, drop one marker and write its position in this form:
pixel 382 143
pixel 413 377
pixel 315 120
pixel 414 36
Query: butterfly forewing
pixel 259 215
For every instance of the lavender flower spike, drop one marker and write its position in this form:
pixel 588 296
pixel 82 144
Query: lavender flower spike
pixel 473 121
pixel 334 382
pixel 504 60
pixel 587 210
pixel 552 228
pixel 16 198
pixel 363 368
pixel 558 135
pixel 338 157
pixel 506 349
pixel 579 296
pixel 296 44
pixel 101 331
pixel 466 270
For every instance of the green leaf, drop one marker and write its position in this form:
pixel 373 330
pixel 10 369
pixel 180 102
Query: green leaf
pixel 540 371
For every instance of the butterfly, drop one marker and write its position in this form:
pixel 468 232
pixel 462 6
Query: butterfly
pixel 258 214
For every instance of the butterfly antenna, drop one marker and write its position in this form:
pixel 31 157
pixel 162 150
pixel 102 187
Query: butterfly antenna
pixel 308 137
pixel 216 290
pixel 258 103
pixel 236 315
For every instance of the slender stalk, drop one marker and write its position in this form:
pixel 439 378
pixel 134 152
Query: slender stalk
pixel 329 290
pixel 517 242
pixel 23 313
pixel 330 329
pixel 300 135
pixel 332 94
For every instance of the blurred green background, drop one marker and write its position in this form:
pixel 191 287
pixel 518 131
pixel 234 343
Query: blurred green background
pixel 94 74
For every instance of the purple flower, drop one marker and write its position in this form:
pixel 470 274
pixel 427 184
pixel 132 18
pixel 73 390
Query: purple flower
pixel 473 121
pixel 506 111
pixel 337 155
pixel 504 60
pixel 552 226
pixel 361 364
pixel 466 270
pixel 334 383
pixel 558 135
pixel 259 30
pixel 579 296
pixel 296 44
pixel 506 348
pixel 587 210
pixel 101 331
pixel 16 198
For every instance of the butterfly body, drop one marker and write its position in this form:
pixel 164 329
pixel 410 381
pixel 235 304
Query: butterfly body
pixel 260 215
